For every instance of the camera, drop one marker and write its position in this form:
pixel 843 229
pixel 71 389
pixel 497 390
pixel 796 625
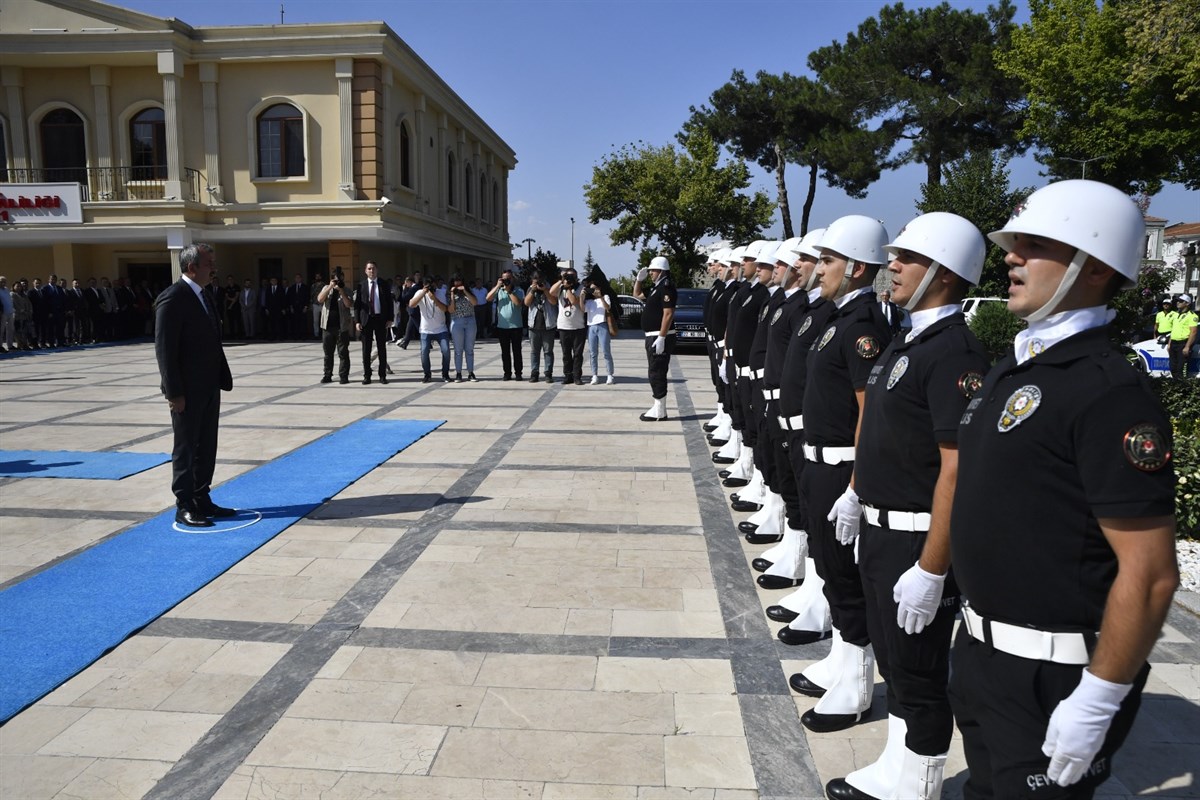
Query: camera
pixel 506 281
pixel 339 278
pixel 570 281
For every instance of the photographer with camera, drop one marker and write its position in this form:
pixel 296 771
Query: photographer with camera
pixel 509 324
pixel 462 327
pixel 337 321
pixel 601 309
pixel 432 326
pixel 572 326
pixel 543 324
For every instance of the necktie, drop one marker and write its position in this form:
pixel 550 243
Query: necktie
pixel 372 293
pixel 208 306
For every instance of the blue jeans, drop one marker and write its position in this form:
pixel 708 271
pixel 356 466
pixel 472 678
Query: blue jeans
pixel 462 331
pixel 600 339
pixel 426 341
pixel 541 342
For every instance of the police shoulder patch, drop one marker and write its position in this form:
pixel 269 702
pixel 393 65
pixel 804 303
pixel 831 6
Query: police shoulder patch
pixel 969 383
pixel 805 326
pixel 825 338
pixel 762 314
pixel 868 347
pixel 1146 447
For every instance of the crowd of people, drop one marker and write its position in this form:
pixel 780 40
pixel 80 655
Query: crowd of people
pixel 901 480
pixel 58 313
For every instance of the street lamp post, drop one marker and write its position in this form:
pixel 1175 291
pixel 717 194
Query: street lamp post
pixel 528 248
pixel 572 241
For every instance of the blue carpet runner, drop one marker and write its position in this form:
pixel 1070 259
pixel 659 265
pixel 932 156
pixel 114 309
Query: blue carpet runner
pixel 76 464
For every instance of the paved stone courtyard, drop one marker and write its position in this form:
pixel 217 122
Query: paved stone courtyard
pixel 544 598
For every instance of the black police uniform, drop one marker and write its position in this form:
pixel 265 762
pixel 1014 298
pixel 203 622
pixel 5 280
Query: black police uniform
pixel 916 394
pixel 838 365
pixel 739 334
pixel 1046 448
pixel 738 298
pixel 662 296
pixel 716 308
pixel 782 324
pixel 763 447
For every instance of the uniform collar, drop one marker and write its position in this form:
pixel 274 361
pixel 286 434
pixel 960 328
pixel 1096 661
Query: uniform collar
pixel 1044 334
pixel 814 295
pixel 790 292
pixel 772 290
pixel 923 319
pixel 845 299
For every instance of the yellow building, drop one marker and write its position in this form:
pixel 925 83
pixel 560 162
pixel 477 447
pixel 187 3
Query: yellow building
pixel 291 148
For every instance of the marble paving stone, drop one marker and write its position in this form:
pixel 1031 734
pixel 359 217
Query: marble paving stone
pixel 121 733
pixel 348 746
pixel 722 761
pixel 144 689
pixel 32 728
pixel 644 622
pixel 688 676
pixel 34 777
pixel 707 714
pixel 588 791
pixel 208 694
pixel 492 619
pixel 596 712
pixel 441 705
pixel 588 622
pixel 363 701
pixel 527 671
pixel 583 596
pixel 435 667
pixel 115 779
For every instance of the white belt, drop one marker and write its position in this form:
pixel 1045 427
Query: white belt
pixel 912 521
pixel 828 455
pixel 757 374
pixel 795 423
pixel 721 344
pixel 1016 640
pixel 744 372
pixel 656 334
pixel 770 394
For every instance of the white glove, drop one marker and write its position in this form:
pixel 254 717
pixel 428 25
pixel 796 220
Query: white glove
pixel 1078 726
pixel 721 371
pixel 642 274
pixel 917 594
pixel 659 345
pixel 846 515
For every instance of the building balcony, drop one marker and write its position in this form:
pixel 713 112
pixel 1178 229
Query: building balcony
pixel 111 184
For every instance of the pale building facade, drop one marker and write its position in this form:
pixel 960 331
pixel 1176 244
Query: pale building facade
pixel 125 137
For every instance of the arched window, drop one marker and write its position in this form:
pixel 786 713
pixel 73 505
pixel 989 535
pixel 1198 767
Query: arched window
pixel 405 156
pixel 280 142
pixel 64 153
pixel 451 195
pixel 467 187
pixel 496 201
pixel 148 145
pixel 483 197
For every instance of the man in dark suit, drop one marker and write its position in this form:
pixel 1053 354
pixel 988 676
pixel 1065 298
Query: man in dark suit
pixel 297 309
pixel 273 306
pixel 891 312
pixel 374 314
pixel 191 362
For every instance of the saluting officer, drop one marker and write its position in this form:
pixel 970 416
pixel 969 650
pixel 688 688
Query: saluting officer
pixel 1063 529
pixel 658 324
pixel 904 473
pixel 838 368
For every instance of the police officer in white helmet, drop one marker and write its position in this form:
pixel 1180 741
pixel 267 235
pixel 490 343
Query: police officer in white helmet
pixel 1063 528
pixel 658 325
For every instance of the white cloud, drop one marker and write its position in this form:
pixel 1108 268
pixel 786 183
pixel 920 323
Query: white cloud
pixel 518 205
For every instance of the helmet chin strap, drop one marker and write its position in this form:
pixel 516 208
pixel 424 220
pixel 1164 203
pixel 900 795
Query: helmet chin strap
pixel 846 276
pixel 922 286
pixel 812 280
pixel 1064 286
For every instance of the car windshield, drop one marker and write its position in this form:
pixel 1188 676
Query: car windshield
pixel 691 297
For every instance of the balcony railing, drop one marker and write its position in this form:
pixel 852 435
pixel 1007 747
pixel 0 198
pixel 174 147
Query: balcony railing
pixel 104 184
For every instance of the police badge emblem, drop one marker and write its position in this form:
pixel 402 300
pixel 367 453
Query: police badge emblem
pixel 897 372
pixel 746 302
pixel 1146 448
pixel 867 346
pixel 1019 407
pixel 778 314
pixel 969 383
pixel 807 324
pixel 762 314
pixel 825 339
pixel 1036 347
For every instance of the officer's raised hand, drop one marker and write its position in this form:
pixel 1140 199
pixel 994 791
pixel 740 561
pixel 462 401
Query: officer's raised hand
pixel 642 274
pixel 1078 726
pixel 846 515
pixel 917 594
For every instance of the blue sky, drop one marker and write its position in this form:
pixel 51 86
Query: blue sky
pixel 566 82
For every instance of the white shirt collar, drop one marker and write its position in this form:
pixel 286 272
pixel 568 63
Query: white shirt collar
pixel 926 317
pixel 791 291
pixel 1053 329
pixel 848 296
pixel 194 286
pixel 814 294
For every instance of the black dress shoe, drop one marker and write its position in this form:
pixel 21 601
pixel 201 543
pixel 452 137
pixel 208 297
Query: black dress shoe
pixel 708 427
pixel 326 379
pixel 731 481
pixel 533 378
pixel 761 564
pixel 763 538
pixel 344 379
pixel 781 614
pixel 838 789
pixel 717 442
pixel 745 506
pixel 383 378
pixel 427 379
pixel 805 687
pixel 723 474
pixel 192 519
pixel 211 509
pixel 794 637
pixel 829 723
pixel 366 381
pixel 645 418
pixel 778 582
pixel 746 526
pixel 507 377
pixel 720 459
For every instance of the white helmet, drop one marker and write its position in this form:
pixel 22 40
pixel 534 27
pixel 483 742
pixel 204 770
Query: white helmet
pixel 718 256
pixel 856 237
pixel 659 263
pixel 1096 219
pixel 753 248
pixel 766 254
pixel 807 246
pixel 787 250
pixel 735 255
pixel 946 239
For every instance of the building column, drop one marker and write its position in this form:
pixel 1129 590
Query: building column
pixel 13 79
pixel 391 162
pixel 170 66
pixel 420 154
pixel 443 173
pixel 344 70
pixel 212 135
pixel 101 80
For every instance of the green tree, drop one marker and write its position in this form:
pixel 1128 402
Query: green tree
pixel 927 77
pixel 777 119
pixel 1113 90
pixel 977 187
pixel 674 199
pixel 543 263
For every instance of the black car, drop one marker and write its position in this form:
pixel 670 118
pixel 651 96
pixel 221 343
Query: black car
pixel 689 319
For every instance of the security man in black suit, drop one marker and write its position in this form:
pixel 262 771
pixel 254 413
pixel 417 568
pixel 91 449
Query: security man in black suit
pixel 375 311
pixel 191 362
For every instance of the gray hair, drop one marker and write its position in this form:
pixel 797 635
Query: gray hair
pixel 191 254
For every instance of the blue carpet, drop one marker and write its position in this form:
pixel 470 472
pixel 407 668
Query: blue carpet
pixel 76 464
pixel 59 621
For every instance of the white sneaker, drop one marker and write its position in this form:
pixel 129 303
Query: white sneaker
pixel 595 380
pixel 611 380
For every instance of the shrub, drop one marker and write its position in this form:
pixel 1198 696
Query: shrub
pixel 1181 399
pixel 996 327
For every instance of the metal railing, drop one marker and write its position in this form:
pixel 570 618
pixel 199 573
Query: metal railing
pixel 105 184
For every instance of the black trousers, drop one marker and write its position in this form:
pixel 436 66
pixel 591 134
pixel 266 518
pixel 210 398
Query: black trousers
pixel 510 349
pixel 1177 359
pixel 916 667
pixel 1002 704
pixel 340 340
pixel 194 454
pixel 763 449
pixel 572 349
pixel 744 411
pixel 375 328
pixel 714 369
pixel 790 466
pixel 656 365
pixel 823 484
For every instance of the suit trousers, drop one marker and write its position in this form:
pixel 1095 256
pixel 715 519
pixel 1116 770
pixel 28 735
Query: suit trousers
pixel 573 341
pixel 194 455
pixel 375 328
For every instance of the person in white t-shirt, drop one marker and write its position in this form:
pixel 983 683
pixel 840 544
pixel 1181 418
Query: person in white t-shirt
pixel 432 326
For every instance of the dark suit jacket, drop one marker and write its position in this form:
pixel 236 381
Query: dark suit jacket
pixel 191 360
pixel 362 302
pixel 273 299
pixel 297 296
